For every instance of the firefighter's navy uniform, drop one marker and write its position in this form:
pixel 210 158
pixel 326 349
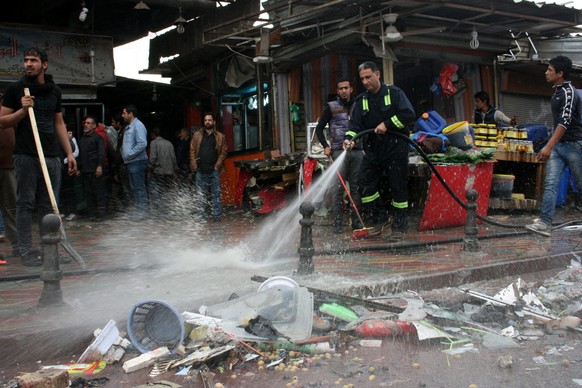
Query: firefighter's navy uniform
pixel 384 152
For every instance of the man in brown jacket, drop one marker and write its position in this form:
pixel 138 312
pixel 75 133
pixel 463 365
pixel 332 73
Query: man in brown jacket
pixel 208 151
pixel 8 186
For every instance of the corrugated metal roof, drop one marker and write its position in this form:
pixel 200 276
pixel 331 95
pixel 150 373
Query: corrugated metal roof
pixel 306 29
pixel 576 4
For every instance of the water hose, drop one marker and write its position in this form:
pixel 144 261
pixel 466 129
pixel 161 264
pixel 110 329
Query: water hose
pixel 441 179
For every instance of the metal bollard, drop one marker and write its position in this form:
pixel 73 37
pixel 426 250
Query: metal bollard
pixel 470 241
pixel 51 274
pixel 306 242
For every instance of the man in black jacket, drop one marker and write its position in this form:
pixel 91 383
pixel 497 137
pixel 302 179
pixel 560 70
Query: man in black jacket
pixel 565 145
pixel 91 161
pixel 385 109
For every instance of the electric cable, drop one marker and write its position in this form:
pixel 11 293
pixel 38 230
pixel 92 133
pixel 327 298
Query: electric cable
pixel 447 188
pixel 190 81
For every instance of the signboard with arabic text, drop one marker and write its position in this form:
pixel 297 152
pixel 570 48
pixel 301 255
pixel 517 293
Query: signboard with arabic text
pixel 69 56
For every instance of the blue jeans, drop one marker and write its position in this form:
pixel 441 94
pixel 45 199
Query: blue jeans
pixel 563 154
pixel 137 184
pixel 162 186
pixel 210 181
pixel 31 189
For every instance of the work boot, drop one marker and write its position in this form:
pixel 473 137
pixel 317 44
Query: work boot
pixel 378 228
pixel 32 258
pixel 338 229
pixel 399 226
pixel 396 235
pixel 356 224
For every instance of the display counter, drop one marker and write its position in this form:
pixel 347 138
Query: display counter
pixel 440 208
pixel 529 159
pixel 273 180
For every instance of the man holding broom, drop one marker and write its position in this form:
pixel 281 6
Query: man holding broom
pixel 337 115
pixel 45 99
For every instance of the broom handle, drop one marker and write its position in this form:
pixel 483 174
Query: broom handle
pixel 49 187
pixel 45 173
pixel 350 197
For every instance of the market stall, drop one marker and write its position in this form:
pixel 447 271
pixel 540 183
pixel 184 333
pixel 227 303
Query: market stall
pixel 515 151
pixel 265 185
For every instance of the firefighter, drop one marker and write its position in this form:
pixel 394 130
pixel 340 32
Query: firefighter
pixel 385 109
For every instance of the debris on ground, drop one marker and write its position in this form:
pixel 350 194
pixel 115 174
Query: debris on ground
pixel 286 327
pixel 44 378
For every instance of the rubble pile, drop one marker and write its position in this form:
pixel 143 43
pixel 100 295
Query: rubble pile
pixel 289 330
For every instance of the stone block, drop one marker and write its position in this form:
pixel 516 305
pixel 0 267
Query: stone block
pixel 47 378
pixel 145 360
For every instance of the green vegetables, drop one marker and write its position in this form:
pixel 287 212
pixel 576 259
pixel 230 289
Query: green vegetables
pixel 455 155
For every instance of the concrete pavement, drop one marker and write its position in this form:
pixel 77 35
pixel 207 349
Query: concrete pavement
pixel 191 262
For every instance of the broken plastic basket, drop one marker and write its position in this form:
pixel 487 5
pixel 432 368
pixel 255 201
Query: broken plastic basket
pixel 153 324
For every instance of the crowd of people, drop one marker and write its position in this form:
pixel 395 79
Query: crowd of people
pixel 115 168
pixel 107 169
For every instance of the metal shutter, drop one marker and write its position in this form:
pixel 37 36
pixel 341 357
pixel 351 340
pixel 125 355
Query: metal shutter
pixel 528 109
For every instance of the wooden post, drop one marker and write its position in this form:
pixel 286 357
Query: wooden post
pixel 388 71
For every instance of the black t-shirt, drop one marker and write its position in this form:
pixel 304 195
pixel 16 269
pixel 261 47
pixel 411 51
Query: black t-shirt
pixel 208 154
pixel 47 102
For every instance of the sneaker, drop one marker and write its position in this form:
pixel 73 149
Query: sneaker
pixel 396 235
pixel 71 217
pixel 377 229
pixel 540 227
pixel 31 258
pixel 2 238
pixel 338 229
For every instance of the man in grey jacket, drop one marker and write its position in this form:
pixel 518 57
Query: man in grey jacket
pixel 162 170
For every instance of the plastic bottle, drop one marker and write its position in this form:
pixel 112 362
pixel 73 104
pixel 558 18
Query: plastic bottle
pixel 385 328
